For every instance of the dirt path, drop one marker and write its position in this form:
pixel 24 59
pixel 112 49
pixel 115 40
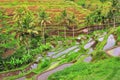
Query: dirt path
pixel 45 75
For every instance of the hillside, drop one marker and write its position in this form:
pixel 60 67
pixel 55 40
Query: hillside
pixel 59 39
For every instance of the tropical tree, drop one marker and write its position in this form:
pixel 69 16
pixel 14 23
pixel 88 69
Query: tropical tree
pixel 57 20
pixel 115 10
pixel 112 10
pixel 43 19
pixel 64 21
pixel 94 18
pixel 72 22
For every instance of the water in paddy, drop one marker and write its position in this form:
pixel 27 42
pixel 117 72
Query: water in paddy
pixel 114 51
pixel 89 44
pixel 50 53
pixel 88 59
pixel 64 52
pixel 110 42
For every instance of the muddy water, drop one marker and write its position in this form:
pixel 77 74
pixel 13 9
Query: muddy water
pixel 114 52
pixel 45 75
pixel 110 42
pixel 33 66
pixel 17 72
pixel 7 74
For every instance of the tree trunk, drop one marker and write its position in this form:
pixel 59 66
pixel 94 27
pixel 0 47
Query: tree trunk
pixel 108 24
pixel 43 35
pixel 44 39
pixel 73 32
pixel 64 32
pixel 114 22
pixel 43 31
pixel 58 32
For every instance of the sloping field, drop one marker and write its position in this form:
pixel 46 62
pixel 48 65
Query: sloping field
pixel 52 7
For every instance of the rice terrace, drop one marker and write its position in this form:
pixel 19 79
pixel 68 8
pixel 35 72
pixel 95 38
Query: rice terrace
pixel 59 39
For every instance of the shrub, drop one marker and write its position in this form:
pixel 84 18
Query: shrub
pixel 99 55
pixel 45 63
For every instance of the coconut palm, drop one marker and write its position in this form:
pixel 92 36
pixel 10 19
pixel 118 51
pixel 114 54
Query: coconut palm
pixel 43 19
pixel 64 21
pixel 114 11
pixel 72 23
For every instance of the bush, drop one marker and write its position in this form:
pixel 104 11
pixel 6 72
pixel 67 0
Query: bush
pixel 45 63
pixel 100 55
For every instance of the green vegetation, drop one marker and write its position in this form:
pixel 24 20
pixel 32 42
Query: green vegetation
pixel 50 33
pixel 107 69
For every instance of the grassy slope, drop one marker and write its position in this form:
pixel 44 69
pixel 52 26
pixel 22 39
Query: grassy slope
pixel 108 69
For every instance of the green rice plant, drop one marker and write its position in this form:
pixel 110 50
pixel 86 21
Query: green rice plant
pixel 101 70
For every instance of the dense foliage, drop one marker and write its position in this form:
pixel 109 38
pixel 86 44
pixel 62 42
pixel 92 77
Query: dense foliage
pixel 107 12
pixel 23 44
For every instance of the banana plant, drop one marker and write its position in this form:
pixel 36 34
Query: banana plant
pixel 12 62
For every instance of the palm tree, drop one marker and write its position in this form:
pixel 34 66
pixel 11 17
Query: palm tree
pixel 57 19
pixel 64 20
pixel 72 23
pixel 43 19
pixel 114 11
